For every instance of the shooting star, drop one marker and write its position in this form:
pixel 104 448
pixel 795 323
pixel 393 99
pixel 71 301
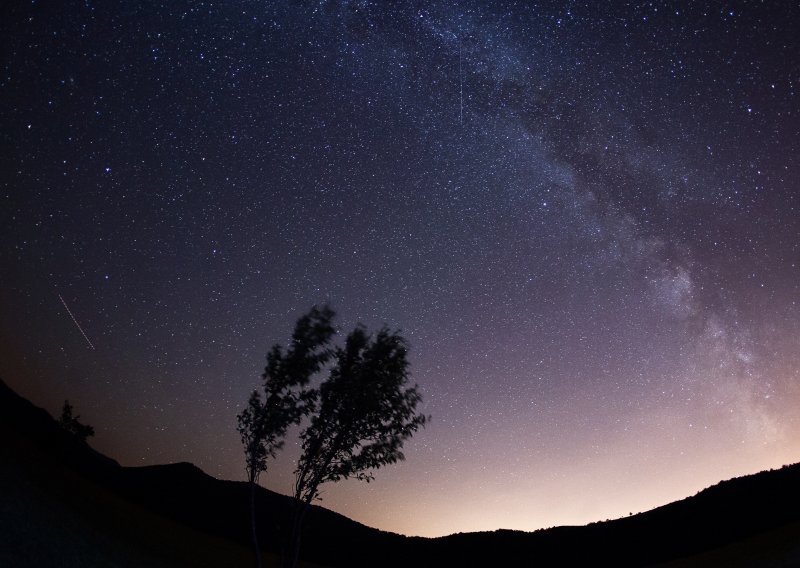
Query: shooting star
pixel 76 321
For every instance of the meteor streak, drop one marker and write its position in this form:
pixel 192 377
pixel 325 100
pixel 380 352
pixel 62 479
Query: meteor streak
pixel 76 321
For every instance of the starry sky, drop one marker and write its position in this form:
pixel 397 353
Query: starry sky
pixel 583 216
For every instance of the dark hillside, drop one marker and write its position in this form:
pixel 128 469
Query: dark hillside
pixel 65 504
pixel 39 453
pixel 53 514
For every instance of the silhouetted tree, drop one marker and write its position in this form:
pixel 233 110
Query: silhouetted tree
pixel 263 423
pixel 364 413
pixel 72 425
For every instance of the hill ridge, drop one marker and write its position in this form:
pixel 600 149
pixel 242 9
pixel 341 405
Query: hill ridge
pixel 720 515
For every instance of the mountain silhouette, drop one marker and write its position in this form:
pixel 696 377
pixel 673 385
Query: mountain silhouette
pixel 65 504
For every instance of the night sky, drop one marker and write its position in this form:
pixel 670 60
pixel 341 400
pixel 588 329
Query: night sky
pixel 583 216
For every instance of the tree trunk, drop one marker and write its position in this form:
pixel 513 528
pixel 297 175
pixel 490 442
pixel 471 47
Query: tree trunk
pixel 300 510
pixel 254 534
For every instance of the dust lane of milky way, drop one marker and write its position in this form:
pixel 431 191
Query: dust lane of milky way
pixel 582 216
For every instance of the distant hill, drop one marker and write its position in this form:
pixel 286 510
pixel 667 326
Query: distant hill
pixel 62 503
pixel 38 452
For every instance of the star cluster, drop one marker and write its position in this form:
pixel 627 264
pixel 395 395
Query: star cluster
pixel 583 217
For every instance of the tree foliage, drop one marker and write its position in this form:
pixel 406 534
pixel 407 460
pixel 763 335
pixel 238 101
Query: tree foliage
pixel 73 425
pixel 250 424
pixel 263 423
pixel 364 413
pixel 359 416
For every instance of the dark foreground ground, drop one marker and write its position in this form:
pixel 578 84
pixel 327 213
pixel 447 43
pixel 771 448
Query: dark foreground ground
pixel 63 504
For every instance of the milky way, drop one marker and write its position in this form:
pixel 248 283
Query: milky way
pixel 584 219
